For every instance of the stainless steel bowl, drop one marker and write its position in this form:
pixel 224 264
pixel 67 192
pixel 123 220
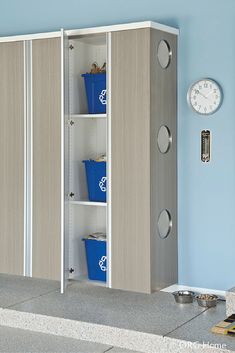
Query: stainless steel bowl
pixel 207 300
pixel 184 296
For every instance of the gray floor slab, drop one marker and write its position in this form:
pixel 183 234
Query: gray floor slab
pixel 21 341
pixel 157 313
pixel 14 340
pixel 16 289
pixel 198 329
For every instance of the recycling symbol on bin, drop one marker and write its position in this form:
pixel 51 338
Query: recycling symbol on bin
pixel 102 263
pixel 102 184
pixel 102 96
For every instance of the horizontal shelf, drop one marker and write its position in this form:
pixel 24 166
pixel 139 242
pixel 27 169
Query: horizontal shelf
pixel 84 279
pixel 88 203
pixel 88 116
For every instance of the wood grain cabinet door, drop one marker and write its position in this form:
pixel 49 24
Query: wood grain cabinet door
pixel 130 149
pixel 46 102
pixel 12 158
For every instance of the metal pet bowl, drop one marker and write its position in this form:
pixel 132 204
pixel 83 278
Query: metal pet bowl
pixel 207 300
pixel 184 296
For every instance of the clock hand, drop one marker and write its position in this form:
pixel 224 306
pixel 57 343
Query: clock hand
pixel 202 94
pixel 209 94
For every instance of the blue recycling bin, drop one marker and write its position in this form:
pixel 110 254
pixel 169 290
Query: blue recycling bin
pixel 95 85
pixel 96 180
pixel 96 259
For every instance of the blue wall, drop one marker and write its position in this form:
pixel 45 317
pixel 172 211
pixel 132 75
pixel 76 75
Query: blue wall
pixel 206 48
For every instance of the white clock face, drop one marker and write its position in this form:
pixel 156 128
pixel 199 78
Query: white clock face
pixel 205 96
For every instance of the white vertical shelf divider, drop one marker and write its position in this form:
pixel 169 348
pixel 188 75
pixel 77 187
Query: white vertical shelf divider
pixel 88 116
pixel 62 289
pixel 109 164
pixel 64 161
pixel 88 203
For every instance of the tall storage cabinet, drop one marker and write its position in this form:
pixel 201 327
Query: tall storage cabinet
pixel 31 156
pixel 144 181
pixel 58 133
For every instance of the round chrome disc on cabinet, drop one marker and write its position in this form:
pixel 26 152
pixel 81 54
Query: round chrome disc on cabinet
pixel 164 224
pixel 164 139
pixel 164 54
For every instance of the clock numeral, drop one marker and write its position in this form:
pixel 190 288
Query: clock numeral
pixel 205 85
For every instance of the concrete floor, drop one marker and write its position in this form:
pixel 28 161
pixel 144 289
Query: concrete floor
pixel 145 323
pixel 198 329
pixel 17 289
pixel 132 311
pixel 14 340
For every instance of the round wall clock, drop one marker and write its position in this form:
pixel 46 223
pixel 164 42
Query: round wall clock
pixel 205 96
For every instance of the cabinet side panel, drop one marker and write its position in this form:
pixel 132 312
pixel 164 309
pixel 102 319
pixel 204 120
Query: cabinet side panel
pixel 130 149
pixel 12 157
pixel 163 166
pixel 46 73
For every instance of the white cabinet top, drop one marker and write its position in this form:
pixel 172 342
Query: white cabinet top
pixel 93 30
pixel 123 27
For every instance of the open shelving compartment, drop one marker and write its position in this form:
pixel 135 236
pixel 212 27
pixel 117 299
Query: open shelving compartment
pixel 87 140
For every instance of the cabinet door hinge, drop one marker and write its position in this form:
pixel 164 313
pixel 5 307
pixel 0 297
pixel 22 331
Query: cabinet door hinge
pixel 71 122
